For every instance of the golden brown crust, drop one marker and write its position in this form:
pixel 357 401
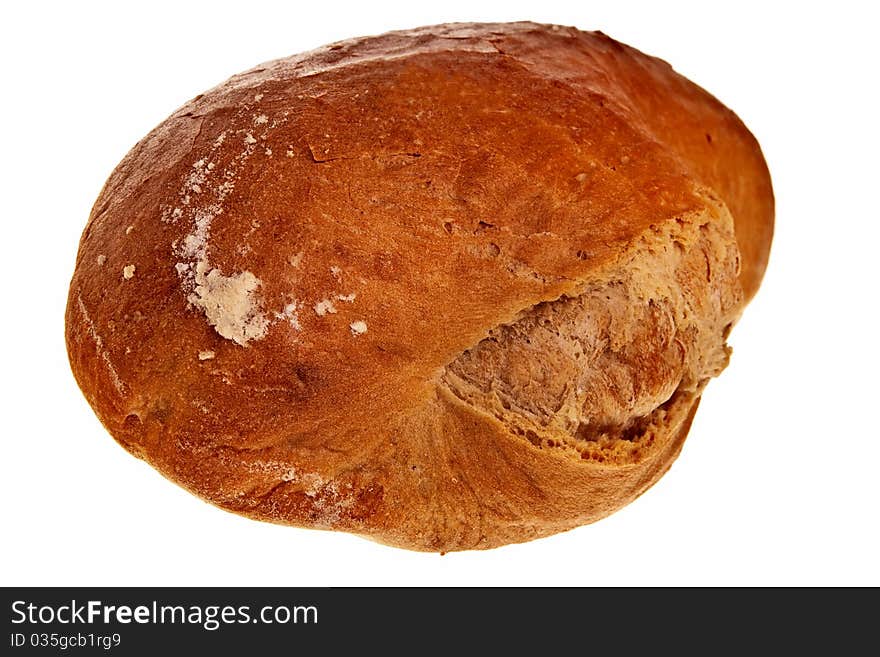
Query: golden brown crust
pixel 276 285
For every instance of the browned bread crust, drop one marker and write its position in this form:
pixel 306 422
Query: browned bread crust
pixel 448 288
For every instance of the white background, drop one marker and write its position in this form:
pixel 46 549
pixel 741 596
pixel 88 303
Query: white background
pixel 777 483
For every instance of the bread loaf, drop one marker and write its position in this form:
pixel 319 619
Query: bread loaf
pixel 447 288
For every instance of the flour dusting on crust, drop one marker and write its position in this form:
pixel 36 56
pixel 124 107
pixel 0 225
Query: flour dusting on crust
pixel 231 300
pixel 230 303
pixel 99 344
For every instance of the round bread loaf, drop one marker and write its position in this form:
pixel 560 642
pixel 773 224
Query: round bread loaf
pixel 447 288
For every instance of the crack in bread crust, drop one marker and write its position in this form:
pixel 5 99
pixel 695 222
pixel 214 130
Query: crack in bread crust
pixel 600 367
